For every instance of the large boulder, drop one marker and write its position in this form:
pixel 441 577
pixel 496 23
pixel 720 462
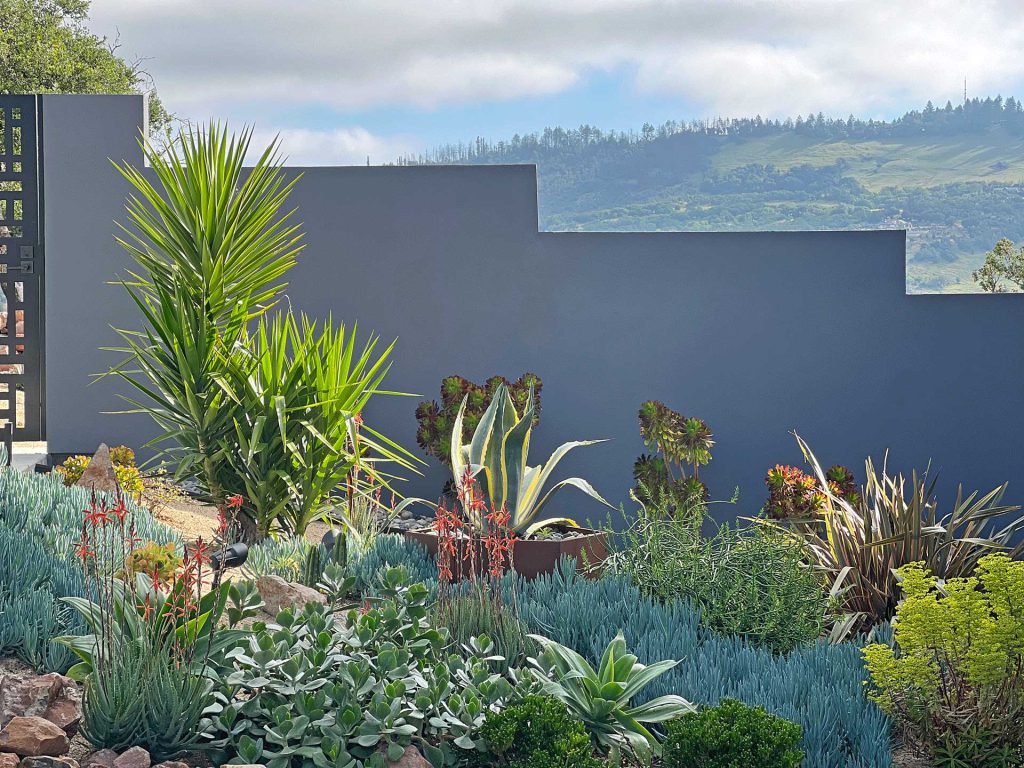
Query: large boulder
pixel 101 758
pixel 99 475
pixel 32 737
pixel 44 761
pixel 136 757
pixel 278 593
pixel 52 697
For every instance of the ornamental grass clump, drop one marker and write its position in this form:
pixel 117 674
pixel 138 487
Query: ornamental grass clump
pixel 860 543
pixel 954 680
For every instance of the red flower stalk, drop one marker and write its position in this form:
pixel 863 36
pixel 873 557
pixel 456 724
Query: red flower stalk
pixel 499 542
pixel 97 514
pixel 83 549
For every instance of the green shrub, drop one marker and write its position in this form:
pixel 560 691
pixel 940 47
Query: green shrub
pixel 538 733
pixel 123 459
pixel 436 421
pixel 732 735
pixel 753 582
pixel 955 680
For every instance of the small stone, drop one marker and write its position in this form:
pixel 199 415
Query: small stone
pixel 173 764
pixel 101 758
pixel 8 760
pixel 33 736
pixel 136 757
pixel 44 761
pixel 410 759
pixel 406 514
pixel 278 594
pixel 99 475
pixel 53 697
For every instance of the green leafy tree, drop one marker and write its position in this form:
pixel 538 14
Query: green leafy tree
pixel 45 47
pixel 1004 262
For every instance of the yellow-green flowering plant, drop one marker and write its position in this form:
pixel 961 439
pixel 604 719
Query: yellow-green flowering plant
pixel 955 678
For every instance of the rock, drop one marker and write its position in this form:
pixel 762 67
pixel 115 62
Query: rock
pixel 99 475
pixel 52 697
pixel 411 759
pixel 44 761
pixel 278 593
pixel 174 764
pixel 102 758
pixel 136 757
pixel 8 760
pixel 33 736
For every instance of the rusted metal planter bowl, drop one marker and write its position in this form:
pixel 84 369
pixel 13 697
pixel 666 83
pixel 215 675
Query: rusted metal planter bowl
pixel 534 557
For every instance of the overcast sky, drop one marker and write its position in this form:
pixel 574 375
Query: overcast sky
pixel 345 79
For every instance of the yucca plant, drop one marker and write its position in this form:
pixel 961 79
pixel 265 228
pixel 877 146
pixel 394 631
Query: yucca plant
pixel 212 245
pixel 499 451
pixel 891 523
pixel 601 698
pixel 297 389
pixel 262 413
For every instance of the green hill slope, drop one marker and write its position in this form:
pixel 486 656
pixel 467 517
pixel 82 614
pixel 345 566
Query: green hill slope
pixel 953 178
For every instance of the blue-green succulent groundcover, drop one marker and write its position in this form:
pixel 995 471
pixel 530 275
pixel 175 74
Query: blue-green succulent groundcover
pixel 821 687
pixel 40 524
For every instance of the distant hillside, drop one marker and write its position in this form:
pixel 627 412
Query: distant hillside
pixel 952 176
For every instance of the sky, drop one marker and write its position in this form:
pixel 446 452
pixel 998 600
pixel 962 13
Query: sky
pixel 345 80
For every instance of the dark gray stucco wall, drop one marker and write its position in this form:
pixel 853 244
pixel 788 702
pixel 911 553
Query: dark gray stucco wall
pixel 758 333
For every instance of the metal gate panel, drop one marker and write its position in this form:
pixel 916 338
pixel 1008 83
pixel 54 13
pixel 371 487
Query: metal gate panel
pixel 21 273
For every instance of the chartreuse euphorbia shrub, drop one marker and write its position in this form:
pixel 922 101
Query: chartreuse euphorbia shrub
pixel 955 680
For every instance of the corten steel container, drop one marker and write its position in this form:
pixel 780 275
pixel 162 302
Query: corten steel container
pixel 534 557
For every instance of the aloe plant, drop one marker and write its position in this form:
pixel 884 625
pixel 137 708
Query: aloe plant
pixel 498 451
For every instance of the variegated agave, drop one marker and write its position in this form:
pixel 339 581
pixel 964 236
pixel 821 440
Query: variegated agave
pixel 498 450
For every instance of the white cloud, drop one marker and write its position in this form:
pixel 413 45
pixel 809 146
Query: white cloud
pixel 729 57
pixel 343 146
